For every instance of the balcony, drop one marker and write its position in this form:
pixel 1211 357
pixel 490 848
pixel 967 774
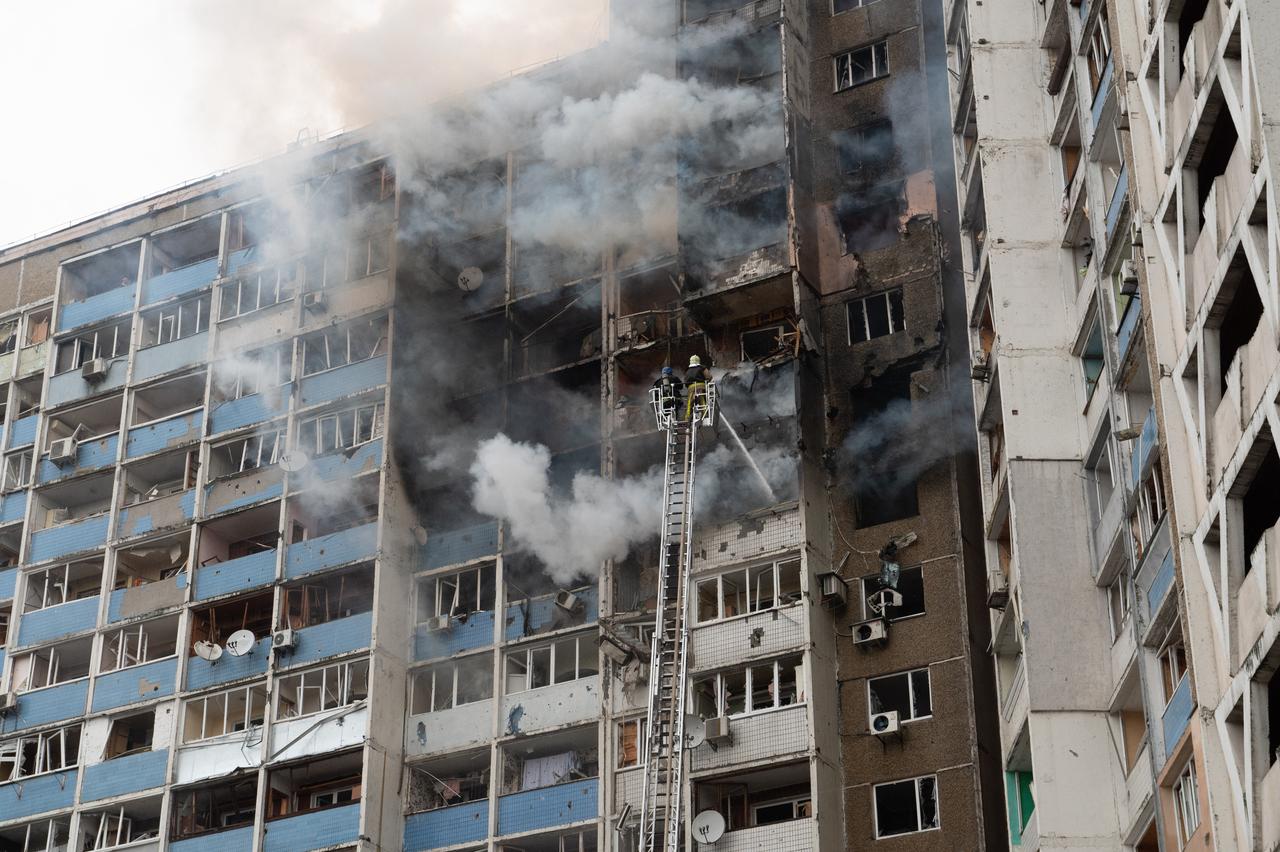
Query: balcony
pixel 449 730
pixel 458 546
pixel 236 492
pixel 731 641
pixel 37 795
pixel 68 538
pixel 235 575
pixel 177 282
pixel 168 357
pixel 156 514
pixel 1177 713
pixel 543 615
pixel 23 431
pixel 331 639
pixel 797 835
pixel 50 704
pixel 248 410
pixel 130 773
pixel 466 823
pixel 313 830
pixel 552 706
pixel 229 840
pixel 13 508
pixel 137 683
pixel 164 434
pixel 137 601
pixel 343 381
pixel 548 807
pixel 332 550
pixel 8 581
pixel 90 455
pixel 55 622
pixel 774 734
pixel 202 673
pixel 365 458
pixel 1143 449
pixel 1118 196
pixel 69 386
pixel 118 300
pixel 1128 326
pixel 1161 581
pixel 459 636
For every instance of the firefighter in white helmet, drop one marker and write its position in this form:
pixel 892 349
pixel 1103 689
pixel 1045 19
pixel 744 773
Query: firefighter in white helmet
pixel 695 383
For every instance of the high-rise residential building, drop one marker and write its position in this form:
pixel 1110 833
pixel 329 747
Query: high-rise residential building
pixel 1115 179
pixel 331 490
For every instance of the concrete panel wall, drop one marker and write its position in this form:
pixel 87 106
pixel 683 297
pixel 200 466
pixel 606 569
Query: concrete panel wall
pixel 733 641
pixel 551 706
pixel 449 730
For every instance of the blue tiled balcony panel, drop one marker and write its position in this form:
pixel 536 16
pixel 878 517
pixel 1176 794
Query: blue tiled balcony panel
pixel 1161 583
pixel 155 360
pixel 1104 88
pixel 8 582
pixel 90 455
pixel 142 518
pixel 23 431
pixel 248 410
pixel 330 639
pixel 174 432
pixel 330 551
pixel 44 706
pixel 70 386
pixel 68 538
pixel 240 259
pixel 1143 448
pixel 234 575
pixel 447 826
pixel 315 830
pixel 548 807
pixel 367 457
pixel 544 615
pixel 230 840
pixel 202 673
pixel 188 279
pixel 134 684
pixel 118 300
pixel 1128 325
pixel 131 773
pixel 54 622
pixel 475 632
pixel 37 795
pixel 1176 714
pixel 13 507
pixel 455 546
pixel 344 381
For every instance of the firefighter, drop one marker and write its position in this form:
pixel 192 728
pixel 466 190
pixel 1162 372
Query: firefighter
pixel 669 390
pixel 695 383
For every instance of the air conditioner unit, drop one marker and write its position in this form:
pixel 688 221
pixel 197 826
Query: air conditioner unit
pixel 884 724
pixel 313 301
pixel 63 451
pixel 1128 277
pixel 872 632
pixel 284 640
pixel 717 730
pixel 438 622
pixel 95 369
pixel 981 370
pixel 834 590
pixel 567 601
pixel 997 590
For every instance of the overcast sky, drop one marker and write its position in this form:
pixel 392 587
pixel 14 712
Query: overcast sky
pixel 107 102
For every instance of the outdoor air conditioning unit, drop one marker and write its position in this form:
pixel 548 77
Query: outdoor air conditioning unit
pixel 313 301
pixel 95 369
pixel 63 451
pixel 284 640
pixel 872 632
pixel 1128 277
pixel 438 622
pixel 8 702
pixel 834 590
pixel 981 371
pixel 567 601
pixel 998 590
pixel 717 730
pixel 884 724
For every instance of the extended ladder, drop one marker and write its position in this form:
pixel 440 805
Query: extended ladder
pixel 664 732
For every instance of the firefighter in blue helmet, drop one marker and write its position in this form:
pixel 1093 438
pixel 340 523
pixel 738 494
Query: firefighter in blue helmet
pixel 695 383
pixel 669 389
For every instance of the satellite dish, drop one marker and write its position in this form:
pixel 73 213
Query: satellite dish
pixel 470 279
pixel 708 827
pixel 241 642
pixel 294 461
pixel 207 650
pixel 695 733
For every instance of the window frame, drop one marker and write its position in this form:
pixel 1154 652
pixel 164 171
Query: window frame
pixel 909 674
pixel 377 324
pixel 551 647
pixel 878 54
pixel 174 321
pixel 747 673
pixel 750 573
pixel 42 759
pixel 92 339
pixel 25 473
pixel 864 303
pixel 436 583
pixel 343 673
pixel 257 689
pixel 311 435
pixel 916 783
pixel 454 669
pixel 273 438
pixel 1186 803
pixel 281 290
pixel 123 634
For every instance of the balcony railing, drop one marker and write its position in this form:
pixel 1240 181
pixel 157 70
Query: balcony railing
pixel 331 639
pixel 37 795
pixel 344 381
pixel 228 840
pixel 1161 583
pixel 68 538
pixel 130 773
pixel 459 636
pixel 446 827
pixel 136 683
pixel 234 575
pixel 54 622
pixel 202 673
pixel 1143 448
pixel 179 281
pixel 248 410
pixel 155 360
pixel 172 432
pixel 43 706
pixel 326 827
pixel 90 455
pixel 548 807
pixel 1176 715
pixel 1118 196
pixel 1104 89
pixel 458 546
pixel 1128 325
pixel 332 550
pixel 118 300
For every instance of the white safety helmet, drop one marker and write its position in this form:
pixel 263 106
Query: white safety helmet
pixel 695 361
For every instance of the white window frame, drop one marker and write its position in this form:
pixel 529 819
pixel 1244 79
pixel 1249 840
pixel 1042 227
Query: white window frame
pixel 176 321
pixel 552 649
pixel 916 782
pixel 252 449
pixel 640 723
pixel 333 684
pixel 875 55
pixel 15 479
pixel 50 752
pixel 247 722
pixel 255 291
pixel 865 304
pixel 249 383
pixel 434 590
pixel 328 432
pixel 753 592
pixel 132 647
pixel 911 693
pixel 747 672
pixel 1119 604
pixel 1186 804
pixel 91 344
pixel 445 676
pixel 336 344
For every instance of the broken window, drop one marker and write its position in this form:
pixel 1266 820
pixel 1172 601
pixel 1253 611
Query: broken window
pixel 17 470
pixel 139 643
pixel 73 500
pixel 328 598
pixel 875 316
pixel 557 662
pixel 6 614
pixel 341 345
pixel 38 327
pixel 100 273
pixel 121 825
pixel 862 65
pixel 227 712
pixel 748 590
pixel 130 734
pixel 1099 52
pixel 764 685
pixel 318 690
pixel 150 562
pixel 62 583
pixel 35 754
pixel 255 372
pixel 630 742
pixel 1186 804
pixel 865 149
pixel 161 476
pixel 323 782
pixel 906 693
pixel 340 430
pixel 251 452
pixel 452 780
pixel 452 684
pixel 215 623
pixel 872 219
pixel 880 448
pixel 456 594
pixel 257 290
pixel 535 763
pixel 213 807
pixel 1119 603
pixel 1173 668
pixel 8 335
pixel 1092 358
pixel 910 586
pixel 903 807
pixel 55 664
pixel 111 341
pixel 176 321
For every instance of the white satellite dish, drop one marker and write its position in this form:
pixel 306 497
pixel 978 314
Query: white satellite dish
pixel 708 827
pixel 695 733
pixel 470 278
pixel 241 642
pixel 207 650
pixel 294 461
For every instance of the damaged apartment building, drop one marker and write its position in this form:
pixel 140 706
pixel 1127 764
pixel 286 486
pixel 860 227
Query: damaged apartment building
pixel 251 444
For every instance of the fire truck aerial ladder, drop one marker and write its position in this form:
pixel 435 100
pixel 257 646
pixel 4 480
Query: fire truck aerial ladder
pixel 660 822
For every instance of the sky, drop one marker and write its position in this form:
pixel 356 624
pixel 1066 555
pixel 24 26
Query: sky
pixel 108 102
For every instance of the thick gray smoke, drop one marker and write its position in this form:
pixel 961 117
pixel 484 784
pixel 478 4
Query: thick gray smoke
pixel 891 449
